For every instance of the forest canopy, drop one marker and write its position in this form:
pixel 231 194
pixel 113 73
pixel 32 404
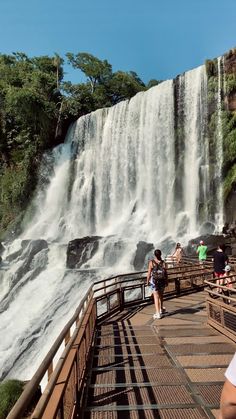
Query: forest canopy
pixel 36 107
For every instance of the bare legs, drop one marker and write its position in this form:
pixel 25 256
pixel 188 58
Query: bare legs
pixel 158 300
pixel 220 281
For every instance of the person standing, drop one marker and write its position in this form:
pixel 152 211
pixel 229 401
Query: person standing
pixel 202 252
pixel 178 253
pixel 158 279
pixel 228 395
pixel 220 260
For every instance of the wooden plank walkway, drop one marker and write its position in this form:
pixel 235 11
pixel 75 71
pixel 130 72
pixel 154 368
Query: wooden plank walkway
pixel 168 368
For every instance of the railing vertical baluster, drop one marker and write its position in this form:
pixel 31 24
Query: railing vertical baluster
pixel 115 296
pixel 50 370
pixel 177 285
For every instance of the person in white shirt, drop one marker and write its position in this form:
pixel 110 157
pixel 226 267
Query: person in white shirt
pixel 228 395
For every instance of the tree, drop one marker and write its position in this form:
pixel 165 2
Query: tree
pixel 152 82
pixel 36 108
pixel 97 71
pixel 58 61
pixel 123 86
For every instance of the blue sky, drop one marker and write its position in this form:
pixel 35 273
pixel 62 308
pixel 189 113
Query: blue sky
pixel 156 38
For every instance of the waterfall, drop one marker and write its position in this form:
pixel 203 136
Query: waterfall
pixel 219 150
pixel 195 151
pixel 138 171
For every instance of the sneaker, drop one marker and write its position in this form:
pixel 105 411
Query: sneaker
pixel 157 316
pixel 163 310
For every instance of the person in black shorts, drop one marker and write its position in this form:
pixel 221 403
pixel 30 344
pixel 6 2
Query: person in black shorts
pixel 220 260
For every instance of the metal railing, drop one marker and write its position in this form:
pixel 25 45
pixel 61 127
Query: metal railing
pixel 221 305
pixel 63 396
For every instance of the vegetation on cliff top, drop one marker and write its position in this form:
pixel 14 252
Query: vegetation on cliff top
pixel 36 108
pixel 228 115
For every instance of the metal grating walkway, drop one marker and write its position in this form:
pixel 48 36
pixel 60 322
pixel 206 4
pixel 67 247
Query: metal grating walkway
pixel 168 368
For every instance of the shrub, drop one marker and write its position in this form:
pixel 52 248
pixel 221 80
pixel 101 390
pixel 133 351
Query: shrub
pixel 10 391
pixel 229 181
pixel 211 67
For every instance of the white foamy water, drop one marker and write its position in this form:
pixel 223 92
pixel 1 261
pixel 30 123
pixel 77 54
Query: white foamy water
pixel 219 149
pixel 116 177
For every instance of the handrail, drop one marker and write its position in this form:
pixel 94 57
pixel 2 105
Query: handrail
pixel 53 379
pixel 30 389
pixel 174 269
pixel 221 306
pixel 118 276
pixel 213 285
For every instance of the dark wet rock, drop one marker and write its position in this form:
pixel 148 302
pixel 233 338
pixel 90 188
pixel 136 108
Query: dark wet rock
pixel 167 246
pixel 14 255
pixel 79 251
pixel 2 248
pixel 233 247
pixel 35 246
pixel 143 249
pixel 207 228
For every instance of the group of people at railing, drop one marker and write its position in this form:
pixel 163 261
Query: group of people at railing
pixel 221 267
pixel 157 276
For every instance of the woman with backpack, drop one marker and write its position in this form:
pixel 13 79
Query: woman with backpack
pixel 157 278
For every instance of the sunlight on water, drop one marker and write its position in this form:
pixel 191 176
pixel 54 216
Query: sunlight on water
pixel 118 175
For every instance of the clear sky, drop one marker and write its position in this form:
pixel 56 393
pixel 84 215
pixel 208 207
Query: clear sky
pixel 156 38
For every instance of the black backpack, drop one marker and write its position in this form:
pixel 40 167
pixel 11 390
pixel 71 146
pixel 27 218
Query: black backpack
pixel 158 273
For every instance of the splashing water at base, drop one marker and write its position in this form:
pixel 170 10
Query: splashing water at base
pixel 115 177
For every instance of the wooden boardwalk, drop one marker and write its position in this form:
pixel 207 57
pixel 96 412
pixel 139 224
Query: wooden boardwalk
pixel 168 368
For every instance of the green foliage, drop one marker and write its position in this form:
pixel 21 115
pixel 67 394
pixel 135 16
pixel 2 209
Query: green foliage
pixel 229 181
pixel 230 53
pixel 152 82
pixel 97 71
pixel 230 146
pixel 78 100
pixel 229 137
pixel 10 391
pixel 230 83
pixel 16 185
pixel 123 86
pixel 35 104
pixel 29 99
pixel 102 89
pixel 211 67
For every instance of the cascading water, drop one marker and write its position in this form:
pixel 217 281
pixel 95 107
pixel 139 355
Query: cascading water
pixel 196 155
pixel 129 173
pixel 219 149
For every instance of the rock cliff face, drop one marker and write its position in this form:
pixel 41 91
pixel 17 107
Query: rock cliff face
pixel 143 249
pixel 230 102
pixel 230 72
pixel 79 251
pixel 221 74
pixel 230 208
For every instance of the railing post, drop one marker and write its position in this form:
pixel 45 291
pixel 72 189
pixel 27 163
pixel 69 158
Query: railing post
pixel 177 285
pixel 121 297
